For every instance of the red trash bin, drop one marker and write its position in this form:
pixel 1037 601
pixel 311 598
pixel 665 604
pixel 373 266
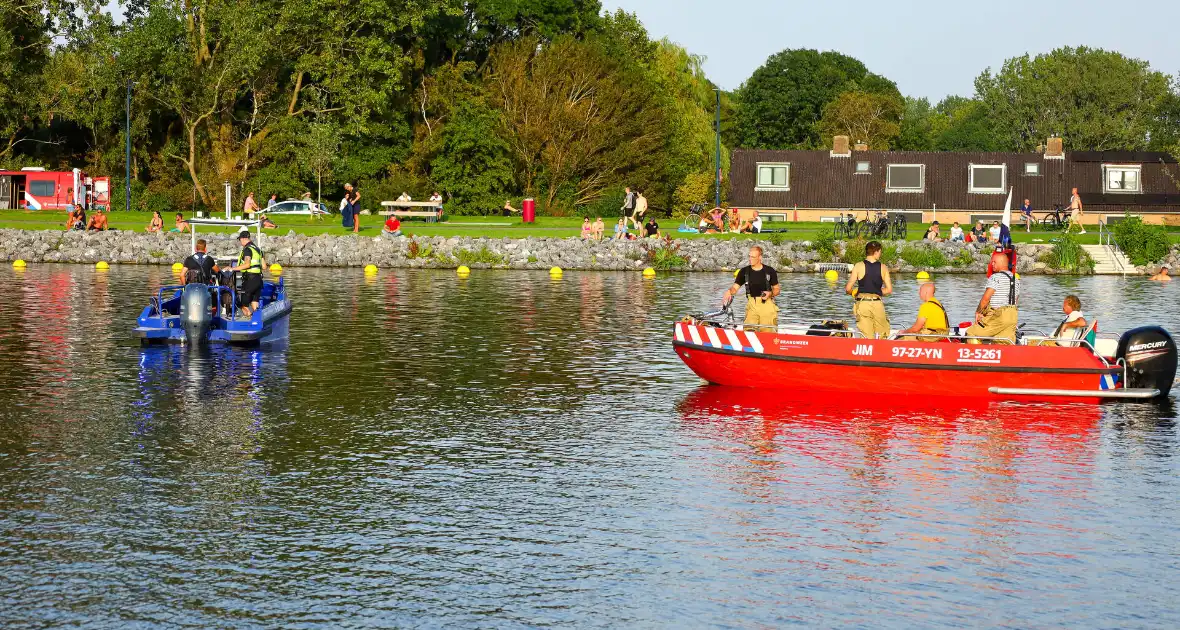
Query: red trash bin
pixel 528 211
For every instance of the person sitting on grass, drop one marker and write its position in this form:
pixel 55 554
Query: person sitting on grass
pixel 599 229
pixel 393 226
pixel 651 229
pixel 267 223
pixel 77 219
pixel 621 232
pixel 508 210
pixel 933 234
pixel 753 226
pixel 181 225
pixel 157 224
pixel 1163 276
pixel 956 233
pixel 98 222
pixel 735 221
pixel 978 234
pixel 931 319
pixel 994 232
pixel 716 222
pixel 587 229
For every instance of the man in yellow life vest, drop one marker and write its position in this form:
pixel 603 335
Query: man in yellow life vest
pixel 250 264
pixel 931 318
pixel 870 277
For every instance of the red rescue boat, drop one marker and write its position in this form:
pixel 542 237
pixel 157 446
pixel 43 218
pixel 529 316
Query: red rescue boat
pixel 832 359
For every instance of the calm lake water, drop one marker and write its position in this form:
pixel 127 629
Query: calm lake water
pixel 512 451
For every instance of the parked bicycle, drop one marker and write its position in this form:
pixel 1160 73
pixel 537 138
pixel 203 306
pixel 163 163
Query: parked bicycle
pixel 693 220
pixel 1058 219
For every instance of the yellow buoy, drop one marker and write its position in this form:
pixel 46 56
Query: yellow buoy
pixel 276 268
pixel 177 267
pixel 101 265
pixel 463 270
pixel 922 275
pixel 18 264
pixel 555 272
pixel 735 272
pixel 649 272
pixel 370 270
pixel 1017 276
pixel 832 274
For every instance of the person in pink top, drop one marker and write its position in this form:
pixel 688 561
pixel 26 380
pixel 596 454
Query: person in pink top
pixel 250 206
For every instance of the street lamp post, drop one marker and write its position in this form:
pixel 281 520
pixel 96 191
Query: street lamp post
pixel 717 127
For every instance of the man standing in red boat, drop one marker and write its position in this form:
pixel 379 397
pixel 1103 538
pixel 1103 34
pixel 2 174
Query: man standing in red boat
pixel 996 314
pixel 761 282
pixel 871 280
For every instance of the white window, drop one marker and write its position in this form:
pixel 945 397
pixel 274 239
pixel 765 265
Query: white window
pixel 1117 178
pixel 905 178
pixel 773 177
pixel 1032 168
pixel 862 167
pixel 987 178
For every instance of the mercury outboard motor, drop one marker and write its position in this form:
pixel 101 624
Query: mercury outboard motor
pixel 1150 356
pixel 195 313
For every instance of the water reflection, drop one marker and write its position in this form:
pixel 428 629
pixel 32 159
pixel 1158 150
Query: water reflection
pixel 510 450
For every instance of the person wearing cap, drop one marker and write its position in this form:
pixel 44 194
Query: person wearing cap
pixel 1163 276
pixel 200 267
pixel 250 264
pixel 932 319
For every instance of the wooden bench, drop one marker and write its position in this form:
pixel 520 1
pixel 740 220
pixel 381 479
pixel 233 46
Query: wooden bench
pixel 430 210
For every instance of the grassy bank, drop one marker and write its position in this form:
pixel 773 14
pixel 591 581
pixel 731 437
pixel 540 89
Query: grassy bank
pixel 491 227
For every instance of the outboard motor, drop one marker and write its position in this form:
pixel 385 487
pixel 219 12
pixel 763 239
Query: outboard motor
pixel 196 313
pixel 1150 356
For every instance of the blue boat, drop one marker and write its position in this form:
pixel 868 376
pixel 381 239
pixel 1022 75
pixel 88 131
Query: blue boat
pixel 197 314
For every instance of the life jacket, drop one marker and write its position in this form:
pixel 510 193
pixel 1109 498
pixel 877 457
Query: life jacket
pixel 255 258
pixel 202 275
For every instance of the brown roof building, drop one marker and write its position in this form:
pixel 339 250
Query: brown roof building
pixel 817 184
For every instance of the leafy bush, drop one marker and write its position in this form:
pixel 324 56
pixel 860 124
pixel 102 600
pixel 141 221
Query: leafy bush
pixel 1142 243
pixel 482 255
pixel 890 254
pixel 925 257
pixel 696 188
pixel 607 206
pixel 854 251
pixel 964 258
pixel 1067 255
pixel 776 238
pixel 825 244
pixel 666 255
pixel 474 164
pixel 415 250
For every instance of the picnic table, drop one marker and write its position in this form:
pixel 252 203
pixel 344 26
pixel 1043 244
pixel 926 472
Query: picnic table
pixel 430 210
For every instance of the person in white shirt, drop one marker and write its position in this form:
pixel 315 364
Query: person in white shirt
pixel 995 231
pixel 405 196
pixel 956 232
pixel 997 313
pixel 1074 326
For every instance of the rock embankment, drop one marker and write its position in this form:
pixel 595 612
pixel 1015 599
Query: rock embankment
pixel 524 253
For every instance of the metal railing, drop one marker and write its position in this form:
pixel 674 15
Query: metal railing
pixel 1107 240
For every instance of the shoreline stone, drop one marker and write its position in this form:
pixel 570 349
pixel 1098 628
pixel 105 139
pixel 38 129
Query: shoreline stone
pixel 440 252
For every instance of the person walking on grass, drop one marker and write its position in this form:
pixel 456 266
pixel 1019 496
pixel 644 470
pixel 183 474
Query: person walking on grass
pixel 1075 211
pixel 628 202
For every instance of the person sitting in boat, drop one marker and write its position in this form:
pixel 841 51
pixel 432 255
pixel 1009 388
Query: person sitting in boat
pixel 200 267
pixel 996 314
pixel 867 284
pixel 1074 326
pixel 761 282
pixel 1163 276
pixel 932 319
pixel 250 264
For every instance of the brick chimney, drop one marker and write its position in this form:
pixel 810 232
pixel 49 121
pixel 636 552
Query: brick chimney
pixel 1053 149
pixel 840 147
pixel 861 145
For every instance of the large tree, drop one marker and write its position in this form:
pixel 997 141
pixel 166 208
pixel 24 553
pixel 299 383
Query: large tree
pixel 1095 99
pixel 864 117
pixel 784 100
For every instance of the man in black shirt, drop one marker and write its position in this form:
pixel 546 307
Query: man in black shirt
pixel 200 267
pixel 651 228
pixel 761 282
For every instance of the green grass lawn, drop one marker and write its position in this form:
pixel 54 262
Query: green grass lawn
pixel 492 227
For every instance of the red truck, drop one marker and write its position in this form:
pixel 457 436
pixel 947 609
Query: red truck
pixel 39 189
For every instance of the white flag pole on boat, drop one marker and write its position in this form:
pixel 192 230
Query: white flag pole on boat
pixel 1008 209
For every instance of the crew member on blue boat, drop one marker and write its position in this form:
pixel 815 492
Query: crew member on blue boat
pixel 868 284
pixel 996 314
pixel 932 319
pixel 250 264
pixel 761 282
pixel 200 267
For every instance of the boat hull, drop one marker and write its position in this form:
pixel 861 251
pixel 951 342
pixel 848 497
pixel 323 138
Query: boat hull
pixel 268 326
pixel 854 366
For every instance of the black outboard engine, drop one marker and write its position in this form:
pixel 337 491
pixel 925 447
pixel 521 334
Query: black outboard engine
pixel 195 313
pixel 1150 356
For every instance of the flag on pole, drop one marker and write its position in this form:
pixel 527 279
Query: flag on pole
pixel 1008 210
